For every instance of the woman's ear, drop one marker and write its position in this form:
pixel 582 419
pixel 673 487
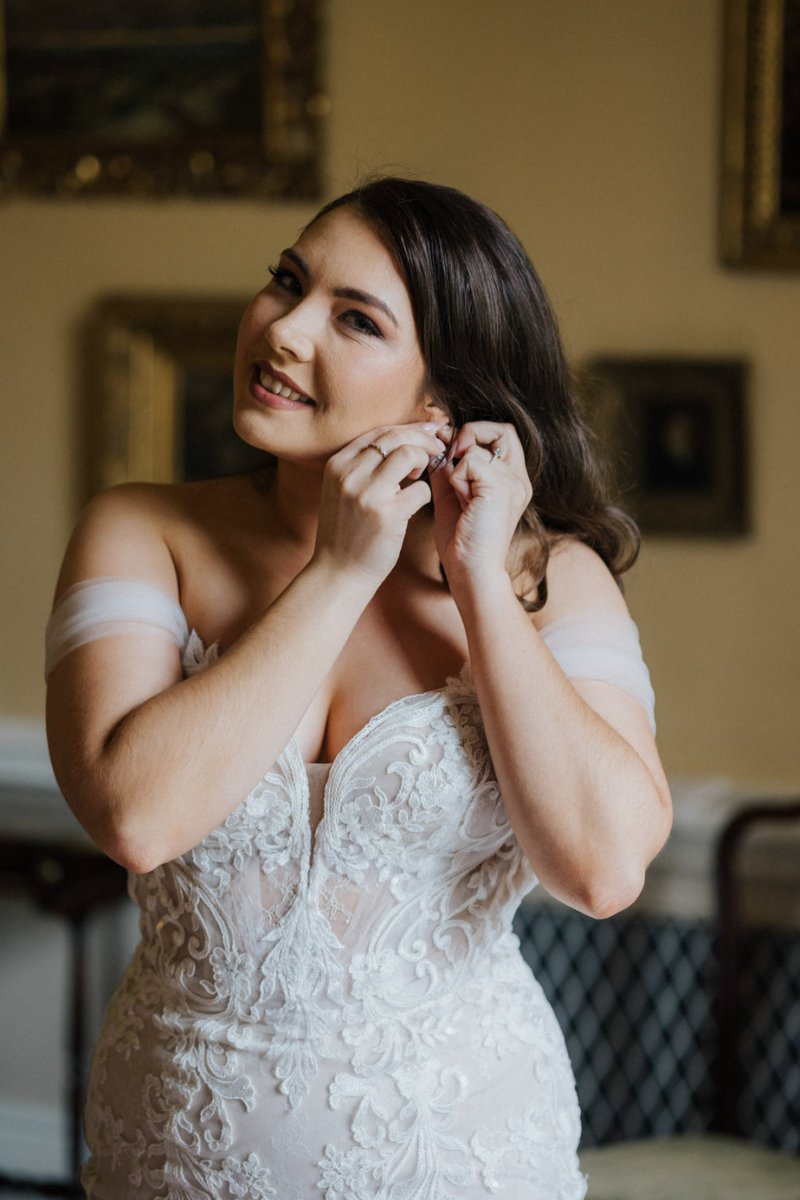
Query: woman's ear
pixel 434 410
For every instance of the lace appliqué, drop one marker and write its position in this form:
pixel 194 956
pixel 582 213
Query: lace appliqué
pixel 532 1149
pixel 403 1131
pixel 322 1014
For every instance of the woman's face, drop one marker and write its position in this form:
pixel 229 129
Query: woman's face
pixel 328 349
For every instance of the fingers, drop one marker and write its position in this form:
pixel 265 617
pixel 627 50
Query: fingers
pixel 500 441
pixel 395 453
pixel 481 467
pixel 407 461
pixel 412 498
pixel 389 437
pixel 485 456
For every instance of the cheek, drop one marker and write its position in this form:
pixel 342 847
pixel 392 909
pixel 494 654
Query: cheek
pixel 253 323
pixel 244 335
pixel 403 385
pixel 390 377
pixel 365 391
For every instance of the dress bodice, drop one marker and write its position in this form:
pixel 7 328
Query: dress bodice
pixel 413 849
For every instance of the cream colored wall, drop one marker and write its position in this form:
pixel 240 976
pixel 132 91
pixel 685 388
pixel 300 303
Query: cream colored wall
pixel 591 125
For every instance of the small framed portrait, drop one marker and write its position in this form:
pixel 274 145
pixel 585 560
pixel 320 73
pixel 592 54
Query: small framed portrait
pixel 142 97
pixel 158 388
pixel 673 431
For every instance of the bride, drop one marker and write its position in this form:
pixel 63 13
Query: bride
pixel 338 715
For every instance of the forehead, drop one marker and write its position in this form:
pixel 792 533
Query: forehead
pixel 345 251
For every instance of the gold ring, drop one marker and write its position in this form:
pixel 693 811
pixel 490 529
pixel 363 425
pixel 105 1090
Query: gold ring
pixel 377 446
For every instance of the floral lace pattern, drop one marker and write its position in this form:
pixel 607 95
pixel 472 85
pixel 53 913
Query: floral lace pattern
pixel 344 1013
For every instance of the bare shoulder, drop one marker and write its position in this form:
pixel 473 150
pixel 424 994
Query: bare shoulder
pixel 131 531
pixel 578 580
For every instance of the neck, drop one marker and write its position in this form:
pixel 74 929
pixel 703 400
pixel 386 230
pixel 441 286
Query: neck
pixel 294 502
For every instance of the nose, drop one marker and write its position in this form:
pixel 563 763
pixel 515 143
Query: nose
pixel 291 334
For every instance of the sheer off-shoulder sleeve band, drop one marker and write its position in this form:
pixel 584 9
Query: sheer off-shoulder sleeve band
pixel 102 607
pixel 602 647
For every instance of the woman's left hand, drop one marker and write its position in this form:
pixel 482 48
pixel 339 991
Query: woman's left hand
pixel 479 494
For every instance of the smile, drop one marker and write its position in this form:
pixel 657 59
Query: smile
pixel 278 388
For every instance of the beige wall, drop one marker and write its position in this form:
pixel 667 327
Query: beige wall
pixel 591 125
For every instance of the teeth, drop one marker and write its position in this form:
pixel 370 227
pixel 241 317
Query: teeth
pixel 280 389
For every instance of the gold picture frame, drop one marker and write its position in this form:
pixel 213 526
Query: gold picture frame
pixel 158 391
pixel 760 177
pixel 140 98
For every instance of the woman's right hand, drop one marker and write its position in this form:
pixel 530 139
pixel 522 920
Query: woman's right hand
pixel 369 495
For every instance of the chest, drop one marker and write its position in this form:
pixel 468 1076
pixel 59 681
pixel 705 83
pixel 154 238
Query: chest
pixel 409 640
pixel 411 793
pixel 402 645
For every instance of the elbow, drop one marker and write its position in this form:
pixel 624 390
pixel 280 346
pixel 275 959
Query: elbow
pixel 606 897
pixel 602 882
pixel 596 891
pixel 136 847
pixel 121 818
pixel 135 858
pixel 131 852
pixel 610 894
pixel 605 893
pixel 125 839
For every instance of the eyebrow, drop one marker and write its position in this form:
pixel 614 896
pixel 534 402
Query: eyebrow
pixel 345 293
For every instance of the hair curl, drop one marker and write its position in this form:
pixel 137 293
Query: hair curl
pixel 493 352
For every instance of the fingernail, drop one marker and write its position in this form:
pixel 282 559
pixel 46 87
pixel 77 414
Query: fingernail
pixel 441 445
pixel 430 426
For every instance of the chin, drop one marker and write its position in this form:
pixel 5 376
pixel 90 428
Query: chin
pixel 246 426
pixel 249 426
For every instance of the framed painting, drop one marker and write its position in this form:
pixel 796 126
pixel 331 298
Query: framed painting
pixel 158 388
pixel 674 433
pixel 760 178
pixel 138 98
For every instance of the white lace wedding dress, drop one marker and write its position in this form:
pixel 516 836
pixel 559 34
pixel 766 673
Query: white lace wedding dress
pixel 339 1011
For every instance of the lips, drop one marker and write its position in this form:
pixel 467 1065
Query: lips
pixel 279 386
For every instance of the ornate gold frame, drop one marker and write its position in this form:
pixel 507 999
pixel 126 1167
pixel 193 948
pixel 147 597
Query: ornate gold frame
pixel 755 228
pixel 139 350
pixel 201 155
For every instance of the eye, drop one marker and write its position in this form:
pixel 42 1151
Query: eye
pixel 285 280
pixel 361 322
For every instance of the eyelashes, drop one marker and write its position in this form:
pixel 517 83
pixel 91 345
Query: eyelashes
pixel 361 322
pixel 286 281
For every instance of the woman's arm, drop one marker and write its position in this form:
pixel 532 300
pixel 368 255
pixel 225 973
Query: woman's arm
pixel 577 765
pixel 576 762
pixel 149 762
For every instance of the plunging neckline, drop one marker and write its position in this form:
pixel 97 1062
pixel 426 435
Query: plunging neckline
pixel 203 660
pixel 317 831
pixel 292 748
pixel 379 716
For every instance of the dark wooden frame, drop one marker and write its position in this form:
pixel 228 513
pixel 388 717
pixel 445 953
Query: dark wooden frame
pixel 674 432
pixel 759 222
pixel 204 109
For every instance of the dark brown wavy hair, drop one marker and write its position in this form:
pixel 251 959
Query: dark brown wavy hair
pixel 493 352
